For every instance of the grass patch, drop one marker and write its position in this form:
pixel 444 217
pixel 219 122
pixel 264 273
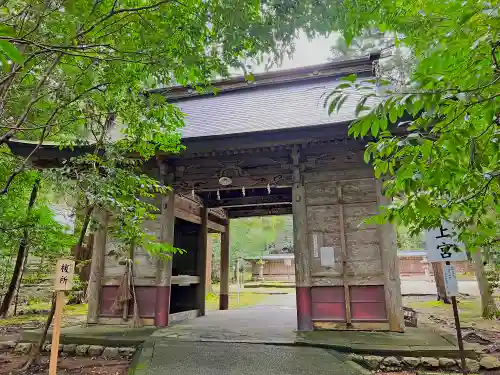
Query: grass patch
pixel 80 309
pixel 426 304
pixel 246 299
pixel 22 320
pixel 469 310
pixel 69 310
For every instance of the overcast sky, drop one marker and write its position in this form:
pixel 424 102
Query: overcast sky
pixel 308 52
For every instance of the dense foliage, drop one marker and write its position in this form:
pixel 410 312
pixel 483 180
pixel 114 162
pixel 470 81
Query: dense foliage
pixel 79 73
pixel 436 139
pixel 255 237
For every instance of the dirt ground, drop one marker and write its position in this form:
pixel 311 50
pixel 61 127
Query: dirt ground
pixel 10 363
pixel 434 373
pixel 475 330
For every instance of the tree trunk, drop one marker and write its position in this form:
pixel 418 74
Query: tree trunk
pixel 20 281
pixel 97 266
pixel 439 278
pixel 81 254
pixel 21 255
pixel 488 305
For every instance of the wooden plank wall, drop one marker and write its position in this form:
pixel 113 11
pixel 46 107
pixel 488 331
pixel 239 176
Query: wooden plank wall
pixel 337 202
pixel 145 267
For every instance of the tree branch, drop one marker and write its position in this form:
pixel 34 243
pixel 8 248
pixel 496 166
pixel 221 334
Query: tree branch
pixel 114 12
pixel 34 98
pixel 45 132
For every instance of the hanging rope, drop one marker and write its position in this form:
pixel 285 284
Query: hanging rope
pixel 123 295
pixel 126 292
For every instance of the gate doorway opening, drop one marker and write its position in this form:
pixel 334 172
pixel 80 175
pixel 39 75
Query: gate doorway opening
pixel 259 256
pixel 262 263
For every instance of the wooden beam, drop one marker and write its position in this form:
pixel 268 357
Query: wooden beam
pixel 164 266
pixel 250 201
pixel 284 209
pixel 97 266
pixel 224 270
pixel 193 218
pixel 218 214
pixel 202 262
pixel 207 182
pixel 301 249
pixel 267 138
pixel 390 266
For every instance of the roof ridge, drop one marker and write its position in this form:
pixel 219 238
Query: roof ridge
pixel 331 68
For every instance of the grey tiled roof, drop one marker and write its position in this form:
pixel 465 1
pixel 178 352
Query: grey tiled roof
pixel 284 106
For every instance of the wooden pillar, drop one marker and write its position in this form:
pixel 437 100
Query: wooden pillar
pixel 202 261
pixel 390 267
pixel 343 247
pixel 208 272
pixel 164 266
pixel 301 249
pixel 224 269
pixel 97 266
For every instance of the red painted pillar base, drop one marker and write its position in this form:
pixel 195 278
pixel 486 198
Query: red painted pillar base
pixel 162 307
pixel 223 302
pixel 304 308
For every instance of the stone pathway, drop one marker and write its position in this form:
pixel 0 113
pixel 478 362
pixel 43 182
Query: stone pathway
pixel 262 340
pixel 273 320
pixel 202 358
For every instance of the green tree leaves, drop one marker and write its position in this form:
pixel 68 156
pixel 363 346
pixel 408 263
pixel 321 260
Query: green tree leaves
pixel 11 52
pixel 437 137
pixel 92 74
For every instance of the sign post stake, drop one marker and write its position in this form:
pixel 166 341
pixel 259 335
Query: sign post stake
pixel 65 270
pixel 459 331
pixel 439 245
pixel 56 332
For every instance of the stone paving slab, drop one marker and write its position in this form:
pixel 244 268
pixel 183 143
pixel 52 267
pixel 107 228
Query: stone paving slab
pixel 274 322
pixel 106 335
pixel 201 358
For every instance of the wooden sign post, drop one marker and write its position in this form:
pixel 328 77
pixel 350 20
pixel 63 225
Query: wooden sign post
pixel 65 269
pixel 440 246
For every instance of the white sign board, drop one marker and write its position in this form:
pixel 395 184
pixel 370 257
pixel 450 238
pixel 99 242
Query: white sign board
pixel 450 280
pixel 315 245
pixel 441 245
pixel 327 256
pixel 65 269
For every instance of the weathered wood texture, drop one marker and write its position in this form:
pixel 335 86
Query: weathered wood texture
pixel 144 264
pixel 145 267
pixel 191 211
pixel 301 250
pixel 337 202
pixel 202 261
pixel 337 222
pixel 224 269
pixel 208 266
pixel 390 264
pixel 164 266
pixel 274 270
pixel 167 230
pixel 97 268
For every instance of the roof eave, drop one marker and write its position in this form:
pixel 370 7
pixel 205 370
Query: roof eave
pixel 334 68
